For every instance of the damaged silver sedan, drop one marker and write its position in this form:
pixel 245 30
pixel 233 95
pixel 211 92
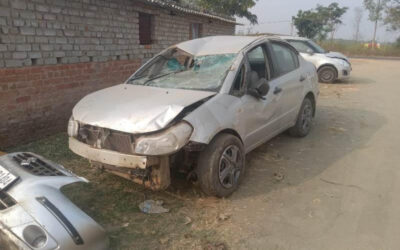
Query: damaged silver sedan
pixel 198 106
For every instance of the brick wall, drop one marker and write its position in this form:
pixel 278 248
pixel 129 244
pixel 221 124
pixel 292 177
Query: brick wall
pixel 53 52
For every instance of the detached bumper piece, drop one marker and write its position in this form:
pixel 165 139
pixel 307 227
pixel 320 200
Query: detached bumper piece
pixel 34 214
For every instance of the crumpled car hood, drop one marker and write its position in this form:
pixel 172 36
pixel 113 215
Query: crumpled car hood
pixel 133 108
pixel 336 55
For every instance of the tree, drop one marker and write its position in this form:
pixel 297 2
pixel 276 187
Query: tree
pixel 393 15
pixel 375 9
pixel 317 23
pixel 308 23
pixel 238 8
pixel 358 16
pixel 331 16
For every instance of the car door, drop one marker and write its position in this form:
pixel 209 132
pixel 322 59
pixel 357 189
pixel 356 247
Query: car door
pixel 287 81
pixel 258 114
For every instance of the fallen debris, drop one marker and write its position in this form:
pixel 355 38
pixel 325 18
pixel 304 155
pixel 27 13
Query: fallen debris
pixel 164 240
pixel 337 129
pixel 152 207
pixel 188 220
pixel 278 176
pixel 223 217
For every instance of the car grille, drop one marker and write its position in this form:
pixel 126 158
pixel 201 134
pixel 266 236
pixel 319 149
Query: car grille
pixel 36 166
pixel 106 139
pixel 6 201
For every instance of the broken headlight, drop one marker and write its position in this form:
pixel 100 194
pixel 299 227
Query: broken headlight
pixel 73 127
pixel 166 142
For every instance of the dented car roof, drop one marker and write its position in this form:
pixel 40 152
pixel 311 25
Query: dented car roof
pixel 214 45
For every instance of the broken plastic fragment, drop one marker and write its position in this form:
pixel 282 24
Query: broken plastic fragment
pixel 152 207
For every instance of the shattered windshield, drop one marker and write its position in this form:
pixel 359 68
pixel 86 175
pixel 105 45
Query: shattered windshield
pixel 180 70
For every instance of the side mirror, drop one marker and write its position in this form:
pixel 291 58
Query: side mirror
pixel 261 89
pixel 310 52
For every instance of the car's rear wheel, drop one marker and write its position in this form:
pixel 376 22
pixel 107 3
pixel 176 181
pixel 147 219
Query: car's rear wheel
pixel 327 74
pixel 221 166
pixel 304 119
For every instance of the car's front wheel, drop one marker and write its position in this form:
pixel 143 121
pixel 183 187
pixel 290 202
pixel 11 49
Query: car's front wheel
pixel 221 166
pixel 327 74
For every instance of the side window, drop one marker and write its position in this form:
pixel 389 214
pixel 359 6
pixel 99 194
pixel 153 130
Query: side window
pixel 285 59
pixel 258 64
pixel 238 84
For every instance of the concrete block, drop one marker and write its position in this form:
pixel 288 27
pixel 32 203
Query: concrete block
pixel 24 47
pixel 20 55
pixel 13 63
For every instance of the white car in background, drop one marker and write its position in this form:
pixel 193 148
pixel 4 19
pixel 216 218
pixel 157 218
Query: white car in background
pixel 331 66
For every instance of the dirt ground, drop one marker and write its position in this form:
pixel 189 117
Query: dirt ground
pixel 335 189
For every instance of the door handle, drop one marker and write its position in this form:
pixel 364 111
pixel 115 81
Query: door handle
pixel 302 78
pixel 277 90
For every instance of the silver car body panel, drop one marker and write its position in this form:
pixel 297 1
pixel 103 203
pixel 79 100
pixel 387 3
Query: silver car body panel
pixel 29 191
pixel 133 108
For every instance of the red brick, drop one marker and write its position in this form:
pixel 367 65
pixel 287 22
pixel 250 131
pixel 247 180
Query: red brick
pixel 23 99
pixel 38 100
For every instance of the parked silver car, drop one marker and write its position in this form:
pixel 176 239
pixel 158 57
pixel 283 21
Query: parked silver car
pixel 34 214
pixel 198 106
pixel 331 66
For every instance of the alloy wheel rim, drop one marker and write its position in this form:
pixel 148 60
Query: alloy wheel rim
pixel 230 166
pixel 328 75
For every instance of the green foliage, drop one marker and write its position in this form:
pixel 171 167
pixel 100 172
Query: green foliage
pixel 375 9
pixel 230 7
pixel 393 15
pixel 331 15
pixel 317 23
pixel 398 43
pixel 352 48
pixel 308 23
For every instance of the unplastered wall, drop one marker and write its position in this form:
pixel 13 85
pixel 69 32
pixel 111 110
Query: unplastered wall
pixel 53 52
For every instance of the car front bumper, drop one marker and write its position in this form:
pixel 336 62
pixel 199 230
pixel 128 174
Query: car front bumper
pixel 33 206
pixel 111 157
pixel 151 171
pixel 344 71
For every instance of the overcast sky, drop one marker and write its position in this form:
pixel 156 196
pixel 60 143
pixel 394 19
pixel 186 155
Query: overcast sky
pixel 274 17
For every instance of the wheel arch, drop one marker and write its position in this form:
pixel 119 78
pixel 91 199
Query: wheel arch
pixel 329 65
pixel 228 131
